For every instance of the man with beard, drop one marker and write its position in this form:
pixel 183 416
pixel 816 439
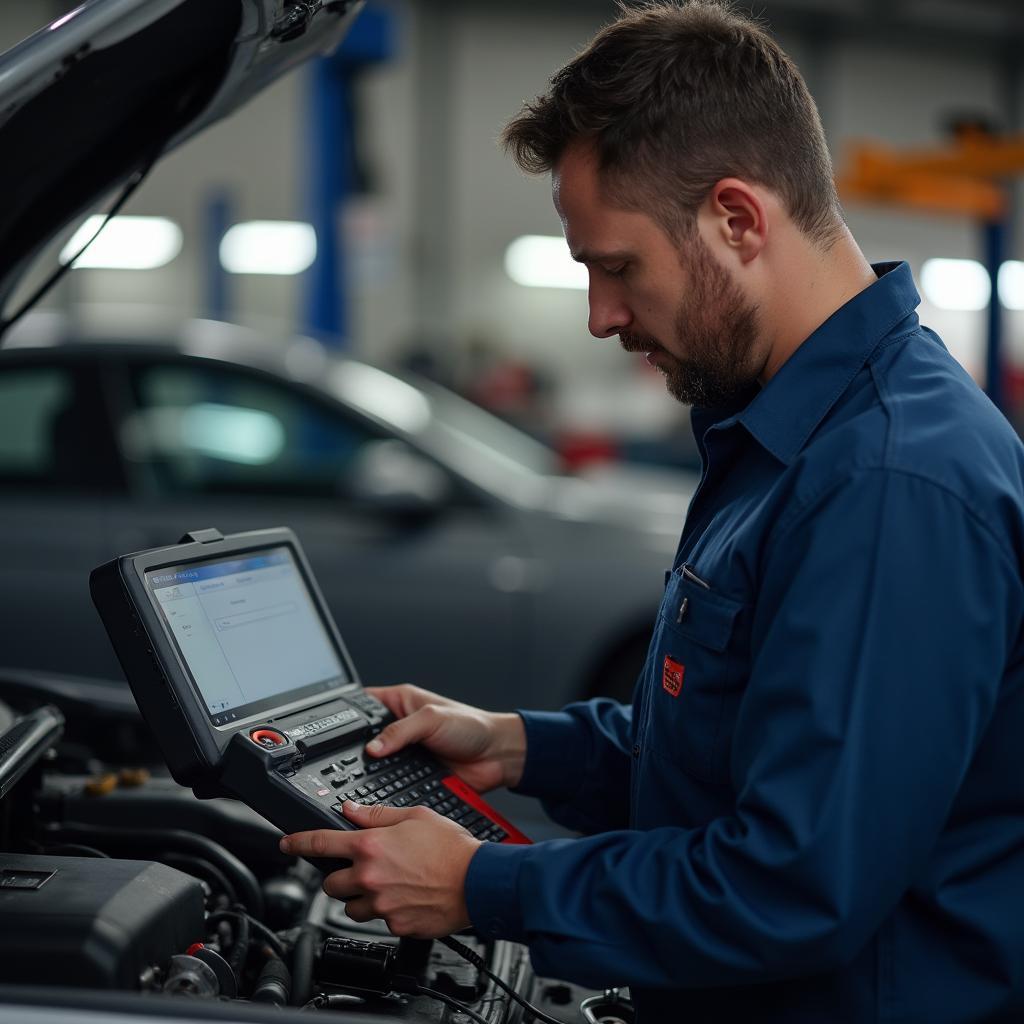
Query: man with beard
pixel 814 808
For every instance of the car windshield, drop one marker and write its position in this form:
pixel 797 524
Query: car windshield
pixel 466 424
pixel 490 452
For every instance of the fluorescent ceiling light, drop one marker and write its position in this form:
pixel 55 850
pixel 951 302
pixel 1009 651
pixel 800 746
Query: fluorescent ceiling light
pixel 268 247
pixel 956 284
pixel 126 243
pixel 543 261
pixel 1011 284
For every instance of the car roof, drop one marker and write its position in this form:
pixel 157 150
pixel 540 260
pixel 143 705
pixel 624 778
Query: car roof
pixel 432 418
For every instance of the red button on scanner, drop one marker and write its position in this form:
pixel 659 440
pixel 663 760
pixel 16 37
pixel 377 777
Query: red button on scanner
pixel 268 738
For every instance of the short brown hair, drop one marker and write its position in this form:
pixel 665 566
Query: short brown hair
pixel 676 96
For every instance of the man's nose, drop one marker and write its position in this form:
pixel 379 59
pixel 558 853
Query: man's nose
pixel 608 313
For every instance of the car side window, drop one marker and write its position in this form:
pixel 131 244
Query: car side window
pixel 53 435
pixel 206 430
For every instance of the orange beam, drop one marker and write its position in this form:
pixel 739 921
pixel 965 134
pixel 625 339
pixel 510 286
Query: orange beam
pixel 963 197
pixel 972 155
pixel 962 179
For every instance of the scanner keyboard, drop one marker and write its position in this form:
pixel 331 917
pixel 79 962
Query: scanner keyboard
pixel 403 781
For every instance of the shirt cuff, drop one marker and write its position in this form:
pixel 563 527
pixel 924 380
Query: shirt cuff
pixel 492 891
pixel 556 755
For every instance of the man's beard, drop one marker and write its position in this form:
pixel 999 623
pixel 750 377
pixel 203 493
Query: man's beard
pixel 715 330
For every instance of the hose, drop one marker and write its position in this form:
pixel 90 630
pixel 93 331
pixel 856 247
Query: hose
pixel 302 966
pixel 198 867
pixel 271 939
pixel 242 878
pixel 273 985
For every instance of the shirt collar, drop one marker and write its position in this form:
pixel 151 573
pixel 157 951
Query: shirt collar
pixel 786 411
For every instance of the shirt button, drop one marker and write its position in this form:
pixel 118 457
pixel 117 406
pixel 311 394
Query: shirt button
pixel 636 750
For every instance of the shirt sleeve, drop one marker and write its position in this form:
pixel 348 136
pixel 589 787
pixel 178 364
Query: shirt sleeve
pixel 578 763
pixel 881 631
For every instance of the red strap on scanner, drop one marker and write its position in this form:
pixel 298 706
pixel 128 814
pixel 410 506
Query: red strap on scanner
pixel 470 796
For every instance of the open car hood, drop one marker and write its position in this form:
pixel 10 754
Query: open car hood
pixel 99 94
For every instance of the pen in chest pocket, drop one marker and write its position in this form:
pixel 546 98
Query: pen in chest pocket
pixel 688 574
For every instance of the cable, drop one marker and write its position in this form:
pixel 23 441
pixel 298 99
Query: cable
pixel 272 940
pixel 478 962
pixel 131 185
pixel 454 1003
pixel 240 950
pixel 200 868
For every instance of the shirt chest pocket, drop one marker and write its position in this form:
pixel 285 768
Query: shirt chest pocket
pixel 696 679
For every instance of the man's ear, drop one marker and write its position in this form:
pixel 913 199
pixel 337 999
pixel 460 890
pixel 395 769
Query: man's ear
pixel 737 217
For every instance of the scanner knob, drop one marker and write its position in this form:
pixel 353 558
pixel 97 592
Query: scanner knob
pixel 268 738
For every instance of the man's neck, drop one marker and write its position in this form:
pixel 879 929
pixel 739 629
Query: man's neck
pixel 816 285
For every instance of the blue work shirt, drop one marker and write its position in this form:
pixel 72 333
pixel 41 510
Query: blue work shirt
pixel 814 808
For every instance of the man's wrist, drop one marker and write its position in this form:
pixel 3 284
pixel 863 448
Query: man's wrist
pixel 508 747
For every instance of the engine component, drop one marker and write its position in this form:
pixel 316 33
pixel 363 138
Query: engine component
pixel 25 741
pixel 609 1008
pixel 92 922
pixel 226 981
pixel 274 984
pixel 189 976
pixel 285 900
pixel 354 964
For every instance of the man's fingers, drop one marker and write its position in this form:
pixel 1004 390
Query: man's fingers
pixel 404 732
pixel 390 697
pixel 359 909
pixel 324 842
pixel 342 885
pixel 376 815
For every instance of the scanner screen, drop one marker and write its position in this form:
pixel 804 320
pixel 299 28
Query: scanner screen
pixel 248 631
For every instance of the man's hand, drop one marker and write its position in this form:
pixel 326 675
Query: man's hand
pixel 408 867
pixel 483 748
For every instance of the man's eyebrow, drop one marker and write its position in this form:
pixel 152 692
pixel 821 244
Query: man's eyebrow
pixel 586 256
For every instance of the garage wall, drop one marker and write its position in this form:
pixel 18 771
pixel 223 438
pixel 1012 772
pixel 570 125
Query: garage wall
pixel 427 243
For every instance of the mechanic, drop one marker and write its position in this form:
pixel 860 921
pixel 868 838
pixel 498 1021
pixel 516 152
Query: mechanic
pixel 814 809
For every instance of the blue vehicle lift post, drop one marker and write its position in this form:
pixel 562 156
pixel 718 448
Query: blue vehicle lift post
pixel 333 170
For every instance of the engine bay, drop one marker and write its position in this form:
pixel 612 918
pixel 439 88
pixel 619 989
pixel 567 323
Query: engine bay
pixel 119 888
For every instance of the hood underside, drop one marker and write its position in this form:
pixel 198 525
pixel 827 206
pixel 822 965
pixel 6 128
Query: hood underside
pixel 95 97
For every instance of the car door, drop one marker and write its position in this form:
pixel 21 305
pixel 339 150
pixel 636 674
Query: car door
pixel 416 599
pixel 58 468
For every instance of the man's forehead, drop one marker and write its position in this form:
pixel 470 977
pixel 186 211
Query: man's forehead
pixel 576 175
pixel 576 194
pixel 596 229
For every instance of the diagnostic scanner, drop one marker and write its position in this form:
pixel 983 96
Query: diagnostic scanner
pixel 240 672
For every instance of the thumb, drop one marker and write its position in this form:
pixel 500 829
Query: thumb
pixel 404 732
pixel 375 816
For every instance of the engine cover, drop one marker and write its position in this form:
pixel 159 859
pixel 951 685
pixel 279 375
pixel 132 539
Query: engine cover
pixel 92 922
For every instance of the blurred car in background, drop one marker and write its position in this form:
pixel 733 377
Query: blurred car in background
pixel 452 551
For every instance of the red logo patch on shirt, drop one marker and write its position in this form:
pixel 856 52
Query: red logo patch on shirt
pixel 672 676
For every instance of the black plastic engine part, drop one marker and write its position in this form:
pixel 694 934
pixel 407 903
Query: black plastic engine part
pixel 92 922
pixel 354 964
